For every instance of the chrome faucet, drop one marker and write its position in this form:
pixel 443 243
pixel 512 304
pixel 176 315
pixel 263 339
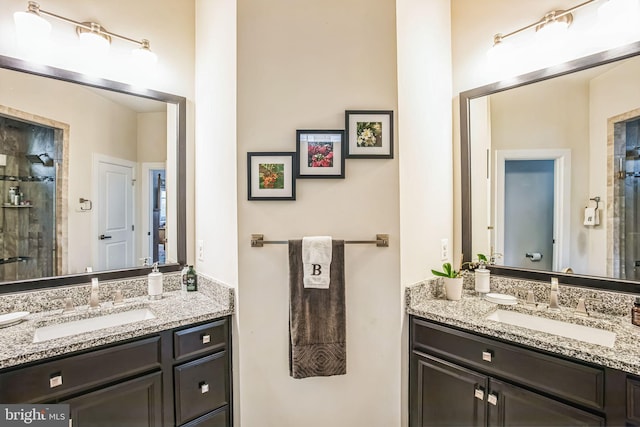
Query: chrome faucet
pixel 553 295
pixel 94 301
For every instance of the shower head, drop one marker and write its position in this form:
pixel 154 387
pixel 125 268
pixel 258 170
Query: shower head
pixel 40 158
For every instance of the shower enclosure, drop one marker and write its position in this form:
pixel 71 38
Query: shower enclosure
pixel 626 224
pixel 27 200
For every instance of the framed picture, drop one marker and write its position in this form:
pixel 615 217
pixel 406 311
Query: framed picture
pixel 320 153
pixel 271 176
pixel 369 134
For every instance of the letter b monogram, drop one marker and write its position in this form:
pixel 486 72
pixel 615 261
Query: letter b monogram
pixel 317 270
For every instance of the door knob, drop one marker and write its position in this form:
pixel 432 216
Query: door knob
pixel 102 237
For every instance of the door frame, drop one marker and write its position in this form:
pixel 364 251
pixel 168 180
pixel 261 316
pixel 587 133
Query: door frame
pixel 146 216
pixel 96 159
pixel 561 198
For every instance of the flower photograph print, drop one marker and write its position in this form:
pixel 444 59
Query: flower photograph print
pixel 320 153
pixel 271 175
pixel 369 134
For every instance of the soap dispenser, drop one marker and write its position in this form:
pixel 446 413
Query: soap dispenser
pixel 154 283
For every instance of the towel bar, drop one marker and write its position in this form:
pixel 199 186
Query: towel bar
pixel 382 241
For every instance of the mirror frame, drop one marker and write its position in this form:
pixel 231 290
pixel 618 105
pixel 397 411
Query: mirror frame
pixel 601 58
pixel 46 71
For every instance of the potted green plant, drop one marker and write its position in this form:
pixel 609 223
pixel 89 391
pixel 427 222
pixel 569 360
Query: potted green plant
pixel 452 281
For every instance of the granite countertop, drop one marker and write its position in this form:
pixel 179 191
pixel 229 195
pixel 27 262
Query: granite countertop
pixel 425 300
pixel 172 311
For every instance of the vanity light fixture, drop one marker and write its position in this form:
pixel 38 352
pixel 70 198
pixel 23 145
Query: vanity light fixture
pixel 94 36
pixel 551 24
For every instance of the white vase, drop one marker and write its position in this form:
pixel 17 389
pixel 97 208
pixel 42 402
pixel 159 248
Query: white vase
pixel 453 288
pixel 482 280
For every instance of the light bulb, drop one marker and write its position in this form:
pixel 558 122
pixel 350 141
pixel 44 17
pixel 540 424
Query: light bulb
pixel 618 22
pixel 144 57
pixel 94 44
pixel 31 27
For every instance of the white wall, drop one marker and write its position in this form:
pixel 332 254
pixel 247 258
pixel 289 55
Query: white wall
pixel 424 131
pixel 216 171
pixel 300 66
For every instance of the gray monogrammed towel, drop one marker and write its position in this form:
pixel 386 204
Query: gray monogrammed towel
pixel 317 323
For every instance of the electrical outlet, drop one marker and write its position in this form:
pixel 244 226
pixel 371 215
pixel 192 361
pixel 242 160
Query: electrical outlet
pixel 200 250
pixel 444 249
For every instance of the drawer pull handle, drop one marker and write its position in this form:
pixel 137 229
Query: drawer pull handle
pixel 206 339
pixel 204 387
pixel 479 394
pixel 55 381
pixel 486 356
pixel 493 399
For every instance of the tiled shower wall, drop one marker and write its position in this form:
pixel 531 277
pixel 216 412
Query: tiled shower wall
pixel 27 235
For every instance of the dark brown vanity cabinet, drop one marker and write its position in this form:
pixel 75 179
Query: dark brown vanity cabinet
pixel 460 378
pixel 201 375
pixel 178 377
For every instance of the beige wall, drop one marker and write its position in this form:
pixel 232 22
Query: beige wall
pixel 300 65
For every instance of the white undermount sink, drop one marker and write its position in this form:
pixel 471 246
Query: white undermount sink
pixel 59 330
pixel 556 327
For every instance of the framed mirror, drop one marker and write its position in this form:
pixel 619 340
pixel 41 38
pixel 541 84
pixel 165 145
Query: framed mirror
pixel 548 173
pixel 93 178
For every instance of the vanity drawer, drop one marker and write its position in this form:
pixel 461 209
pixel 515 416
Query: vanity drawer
pixel 569 380
pixel 201 386
pixel 200 339
pixel 45 381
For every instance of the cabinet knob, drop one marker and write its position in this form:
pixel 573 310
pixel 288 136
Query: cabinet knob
pixel 479 394
pixel 204 387
pixel 206 339
pixel 493 399
pixel 486 356
pixel 55 380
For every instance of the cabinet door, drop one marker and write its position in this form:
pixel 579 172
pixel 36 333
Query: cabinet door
pixel 445 394
pixel 133 403
pixel 510 406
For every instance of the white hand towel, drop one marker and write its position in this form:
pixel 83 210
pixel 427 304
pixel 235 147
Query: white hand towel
pixel 316 261
pixel 591 216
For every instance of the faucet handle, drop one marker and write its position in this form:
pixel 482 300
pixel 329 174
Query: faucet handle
pixel 118 299
pixel 68 304
pixel 531 300
pixel 581 307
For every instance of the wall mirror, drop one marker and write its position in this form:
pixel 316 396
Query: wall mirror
pixel 551 172
pixel 92 178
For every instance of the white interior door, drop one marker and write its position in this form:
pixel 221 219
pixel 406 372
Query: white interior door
pixel 115 228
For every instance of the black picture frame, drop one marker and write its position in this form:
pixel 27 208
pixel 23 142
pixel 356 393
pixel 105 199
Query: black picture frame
pixel 369 134
pixel 320 153
pixel 271 175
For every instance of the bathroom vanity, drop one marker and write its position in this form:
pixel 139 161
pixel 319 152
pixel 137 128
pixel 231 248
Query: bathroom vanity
pixel 465 369
pixel 172 369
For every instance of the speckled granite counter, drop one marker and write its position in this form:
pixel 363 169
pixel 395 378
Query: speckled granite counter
pixel 212 301
pixel 425 300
